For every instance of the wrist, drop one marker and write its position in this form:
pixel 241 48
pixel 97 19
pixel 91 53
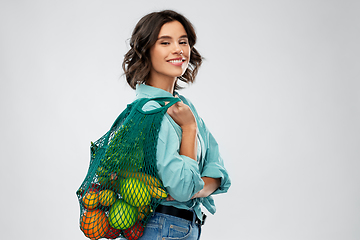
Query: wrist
pixel 189 128
pixel 198 195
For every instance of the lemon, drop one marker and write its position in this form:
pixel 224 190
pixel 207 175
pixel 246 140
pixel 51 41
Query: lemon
pixel 135 192
pixel 107 197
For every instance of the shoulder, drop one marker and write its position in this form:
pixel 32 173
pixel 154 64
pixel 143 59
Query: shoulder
pixel 151 105
pixel 169 130
pixel 188 102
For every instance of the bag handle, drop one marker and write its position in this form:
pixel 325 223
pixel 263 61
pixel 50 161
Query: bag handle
pixel 139 104
pixel 161 100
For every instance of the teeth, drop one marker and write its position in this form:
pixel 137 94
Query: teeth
pixel 175 61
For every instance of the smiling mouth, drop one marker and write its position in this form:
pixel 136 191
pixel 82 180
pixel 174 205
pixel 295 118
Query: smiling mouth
pixel 176 62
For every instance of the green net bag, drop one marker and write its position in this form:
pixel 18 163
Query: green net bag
pixel 122 186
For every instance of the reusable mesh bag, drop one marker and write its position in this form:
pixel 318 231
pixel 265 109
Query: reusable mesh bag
pixel 122 187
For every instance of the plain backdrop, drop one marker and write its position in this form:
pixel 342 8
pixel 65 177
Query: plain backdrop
pixel 279 89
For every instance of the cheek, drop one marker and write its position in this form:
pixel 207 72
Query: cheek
pixel 154 59
pixel 187 53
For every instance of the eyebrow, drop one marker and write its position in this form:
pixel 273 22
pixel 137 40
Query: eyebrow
pixel 168 37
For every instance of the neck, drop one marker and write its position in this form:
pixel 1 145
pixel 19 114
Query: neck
pixel 167 84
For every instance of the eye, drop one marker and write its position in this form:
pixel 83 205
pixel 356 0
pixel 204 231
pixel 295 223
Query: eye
pixel 184 42
pixel 165 43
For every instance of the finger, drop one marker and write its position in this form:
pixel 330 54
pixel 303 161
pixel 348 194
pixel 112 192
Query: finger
pixel 169 198
pixel 170 110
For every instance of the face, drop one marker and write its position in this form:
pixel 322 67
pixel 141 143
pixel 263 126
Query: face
pixel 170 54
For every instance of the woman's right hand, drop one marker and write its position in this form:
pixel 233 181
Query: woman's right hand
pixel 183 116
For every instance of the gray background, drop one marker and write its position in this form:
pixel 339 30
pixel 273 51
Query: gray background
pixel 279 90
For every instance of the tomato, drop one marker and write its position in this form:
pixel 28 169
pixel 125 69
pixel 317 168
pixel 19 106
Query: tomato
pixel 112 233
pixel 134 232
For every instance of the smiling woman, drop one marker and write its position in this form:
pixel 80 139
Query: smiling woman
pixel 187 156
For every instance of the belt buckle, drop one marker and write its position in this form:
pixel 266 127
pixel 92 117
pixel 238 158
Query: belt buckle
pixel 201 222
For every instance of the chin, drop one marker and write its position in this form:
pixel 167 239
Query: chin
pixel 176 75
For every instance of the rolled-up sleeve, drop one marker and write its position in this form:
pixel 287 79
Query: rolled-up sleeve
pixel 179 174
pixel 214 164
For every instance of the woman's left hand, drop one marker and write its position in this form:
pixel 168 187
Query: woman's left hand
pixel 169 198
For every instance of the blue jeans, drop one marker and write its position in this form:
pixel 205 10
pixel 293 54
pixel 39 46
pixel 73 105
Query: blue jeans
pixel 165 227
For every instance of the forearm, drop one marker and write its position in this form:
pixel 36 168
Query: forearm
pixel 188 146
pixel 183 116
pixel 210 185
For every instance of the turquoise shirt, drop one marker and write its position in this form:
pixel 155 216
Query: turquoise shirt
pixel 180 174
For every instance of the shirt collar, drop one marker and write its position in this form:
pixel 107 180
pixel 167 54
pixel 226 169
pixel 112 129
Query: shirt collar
pixel 146 91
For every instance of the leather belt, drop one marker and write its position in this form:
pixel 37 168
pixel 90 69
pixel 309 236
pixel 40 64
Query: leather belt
pixel 180 213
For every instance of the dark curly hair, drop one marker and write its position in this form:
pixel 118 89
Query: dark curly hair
pixel 137 62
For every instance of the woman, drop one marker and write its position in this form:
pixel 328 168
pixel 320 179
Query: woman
pixel 190 167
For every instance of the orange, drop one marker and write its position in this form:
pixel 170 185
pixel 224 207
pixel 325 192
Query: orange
pixel 143 211
pixel 91 200
pixel 94 224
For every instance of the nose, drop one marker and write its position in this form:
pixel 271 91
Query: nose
pixel 177 49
